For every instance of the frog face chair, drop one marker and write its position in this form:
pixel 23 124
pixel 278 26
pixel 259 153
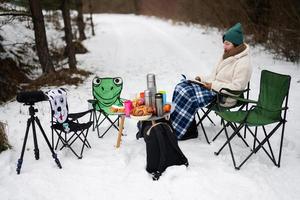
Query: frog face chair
pixel 106 92
pixel 70 131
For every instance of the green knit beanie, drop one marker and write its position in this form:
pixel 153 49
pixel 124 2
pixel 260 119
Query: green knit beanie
pixel 234 35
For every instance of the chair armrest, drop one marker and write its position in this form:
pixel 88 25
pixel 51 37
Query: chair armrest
pixel 235 94
pixel 276 110
pixel 92 101
pixel 232 92
pixel 244 100
pixel 75 116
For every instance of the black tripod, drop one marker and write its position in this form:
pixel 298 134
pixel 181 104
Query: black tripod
pixel 31 121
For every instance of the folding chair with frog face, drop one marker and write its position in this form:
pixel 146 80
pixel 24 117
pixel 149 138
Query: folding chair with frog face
pixel 106 92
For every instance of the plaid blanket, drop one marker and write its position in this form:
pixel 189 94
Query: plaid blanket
pixel 187 99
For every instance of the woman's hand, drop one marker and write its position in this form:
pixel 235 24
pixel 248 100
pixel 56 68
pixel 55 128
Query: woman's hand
pixel 207 86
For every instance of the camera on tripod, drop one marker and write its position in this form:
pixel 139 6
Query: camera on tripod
pixel 31 97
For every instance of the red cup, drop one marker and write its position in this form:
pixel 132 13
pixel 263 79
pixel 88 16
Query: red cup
pixel 128 107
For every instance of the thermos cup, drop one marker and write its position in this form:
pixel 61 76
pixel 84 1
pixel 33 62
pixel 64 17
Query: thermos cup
pixel 159 104
pixel 147 97
pixel 151 86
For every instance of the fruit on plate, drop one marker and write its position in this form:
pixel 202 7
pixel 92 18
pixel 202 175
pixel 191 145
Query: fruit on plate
pixel 167 108
pixel 142 110
pixel 140 102
pixel 137 102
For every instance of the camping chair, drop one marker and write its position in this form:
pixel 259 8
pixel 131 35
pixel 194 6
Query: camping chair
pixel 274 90
pixel 66 125
pixel 106 92
pixel 216 105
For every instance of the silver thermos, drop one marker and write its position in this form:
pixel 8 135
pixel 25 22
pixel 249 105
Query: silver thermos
pixel 147 96
pixel 159 104
pixel 151 86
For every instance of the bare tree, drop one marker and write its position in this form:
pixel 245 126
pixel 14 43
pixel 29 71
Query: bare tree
pixel 91 17
pixel 136 6
pixel 80 22
pixel 68 34
pixel 40 36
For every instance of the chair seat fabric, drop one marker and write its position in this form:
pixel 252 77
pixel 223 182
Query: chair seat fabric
pixel 256 117
pixel 73 126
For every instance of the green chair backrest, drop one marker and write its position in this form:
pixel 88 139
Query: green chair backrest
pixel 107 92
pixel 274 88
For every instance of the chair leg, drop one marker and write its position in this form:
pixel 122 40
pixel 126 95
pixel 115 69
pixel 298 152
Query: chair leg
pixel 256 140
pixel 98 124
pixel 201 120
pixel 65 144
pixel 255 137
pixel 84 141
pixel 198 116
pixel 58 139
pixel 260 145
pixel 204 132
pixel 270 148
pixel 216 136
pixel 106 117
pixel 52 138
pixel 229 145
pixel 204 116
pixel 208 117
pixel 112 124
pixel 234 127
pixel 76 135
pixel 229 139
pixel 245 132
pixel 92 117
pixel 281 142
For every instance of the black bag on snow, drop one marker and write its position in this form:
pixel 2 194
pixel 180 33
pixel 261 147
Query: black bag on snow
pixel 162 149
pixel 144 126
pixel 192 131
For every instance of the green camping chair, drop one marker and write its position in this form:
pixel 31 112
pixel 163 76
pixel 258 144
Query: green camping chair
pixel 216 105
pixel 274 90
pixel 106 92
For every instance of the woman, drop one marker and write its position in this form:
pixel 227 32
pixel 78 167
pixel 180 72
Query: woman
pixel 233 71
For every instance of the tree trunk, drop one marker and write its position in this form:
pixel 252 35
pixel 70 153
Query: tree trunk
pixel 91 17
pixel 68 34
pixel 40 36
pixel 80 22
pixel 136 7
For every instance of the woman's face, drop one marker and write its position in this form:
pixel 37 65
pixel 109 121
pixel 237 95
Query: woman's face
pixel 227 45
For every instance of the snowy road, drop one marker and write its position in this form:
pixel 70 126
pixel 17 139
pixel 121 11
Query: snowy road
pixel 130 47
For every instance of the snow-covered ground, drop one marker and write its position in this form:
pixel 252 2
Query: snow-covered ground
pixel 132 46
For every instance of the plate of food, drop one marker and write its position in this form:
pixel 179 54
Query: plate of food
pixel 141 118
pixel 117 109
pixel 141 112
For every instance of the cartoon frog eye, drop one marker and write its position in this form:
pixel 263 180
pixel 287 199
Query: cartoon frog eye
pixel 97 81
pixel 118 81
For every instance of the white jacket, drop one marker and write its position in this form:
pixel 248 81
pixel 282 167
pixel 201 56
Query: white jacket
pixel 233 73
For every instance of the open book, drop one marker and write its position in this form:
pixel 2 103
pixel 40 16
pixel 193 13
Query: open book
pixel 192 80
